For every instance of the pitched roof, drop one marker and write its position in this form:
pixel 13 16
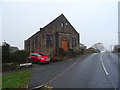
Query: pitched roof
pixel 13 48
pixel 55 20
pixel 51 23
pixel 62 15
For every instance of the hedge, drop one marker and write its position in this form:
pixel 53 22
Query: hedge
pixel 19 56
pixel 70 53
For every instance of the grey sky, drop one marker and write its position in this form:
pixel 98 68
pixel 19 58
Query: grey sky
pixel 96 21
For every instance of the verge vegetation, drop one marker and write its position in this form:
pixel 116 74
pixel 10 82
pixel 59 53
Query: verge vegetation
pixel 16 79
pixel 12 60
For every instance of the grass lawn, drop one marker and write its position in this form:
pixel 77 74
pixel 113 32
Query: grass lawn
pixel 16 79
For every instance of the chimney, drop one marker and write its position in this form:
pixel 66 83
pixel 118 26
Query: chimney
pixel 41 29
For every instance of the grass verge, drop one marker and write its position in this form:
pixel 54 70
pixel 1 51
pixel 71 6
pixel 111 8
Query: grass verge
pixel 16 79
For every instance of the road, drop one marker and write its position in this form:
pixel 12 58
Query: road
pixel 99 70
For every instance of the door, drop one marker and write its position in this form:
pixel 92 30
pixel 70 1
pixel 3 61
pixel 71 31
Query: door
pixel 64 44
pixel 34 58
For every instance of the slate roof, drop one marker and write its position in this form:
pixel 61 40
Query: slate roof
pixel 13 48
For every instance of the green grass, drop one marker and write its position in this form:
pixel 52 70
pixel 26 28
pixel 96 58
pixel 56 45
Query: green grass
pixel 16 79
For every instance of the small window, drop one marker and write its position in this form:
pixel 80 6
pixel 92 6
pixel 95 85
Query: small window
pixel 66 24
pixel 74 42
pixel 62 24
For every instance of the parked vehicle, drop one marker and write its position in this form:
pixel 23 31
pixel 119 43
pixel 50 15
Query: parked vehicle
pixel 39 57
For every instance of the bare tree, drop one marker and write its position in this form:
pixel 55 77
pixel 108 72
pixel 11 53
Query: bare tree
pixel 98 46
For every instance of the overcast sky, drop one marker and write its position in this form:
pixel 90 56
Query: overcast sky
pixel 95 20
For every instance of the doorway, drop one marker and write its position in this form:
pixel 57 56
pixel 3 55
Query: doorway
pixel 65 44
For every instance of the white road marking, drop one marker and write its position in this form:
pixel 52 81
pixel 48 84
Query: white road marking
pixel 103 65
pixel 38 87
pixel 106 71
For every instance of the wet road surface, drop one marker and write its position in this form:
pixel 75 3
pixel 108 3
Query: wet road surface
pixel 99 70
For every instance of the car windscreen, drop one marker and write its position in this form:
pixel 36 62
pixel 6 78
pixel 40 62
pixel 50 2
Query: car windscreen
pixel 35 55
pixel 38 55
pixel 41 54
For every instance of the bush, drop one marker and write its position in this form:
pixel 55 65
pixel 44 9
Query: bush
pixel 55 59
pixel 19 56
pixel 61 52
pixel 5 52
pixel 70 53
pixel 89 51
pixel 79 51
pixel 29 60
pixel 9 66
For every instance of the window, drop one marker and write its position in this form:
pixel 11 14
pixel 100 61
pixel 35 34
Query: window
pixel 36 42
pixel 66 24
pixel 49 40
pixel 74 42
pixel 28 45
pixel 34 55
pixel 33 44
pixel 62 24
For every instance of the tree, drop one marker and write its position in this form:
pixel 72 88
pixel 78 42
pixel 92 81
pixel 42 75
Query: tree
pixel 5 52
pixel 98 46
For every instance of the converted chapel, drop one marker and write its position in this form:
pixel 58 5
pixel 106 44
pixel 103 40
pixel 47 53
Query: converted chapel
pixel 57 34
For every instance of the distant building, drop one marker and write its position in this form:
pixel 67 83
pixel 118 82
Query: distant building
pixel 57 34
pixel 117 48
pixel 12 49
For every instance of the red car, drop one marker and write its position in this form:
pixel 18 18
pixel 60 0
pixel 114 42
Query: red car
pixel 38 57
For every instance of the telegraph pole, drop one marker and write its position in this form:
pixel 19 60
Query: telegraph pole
pixel 119 27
